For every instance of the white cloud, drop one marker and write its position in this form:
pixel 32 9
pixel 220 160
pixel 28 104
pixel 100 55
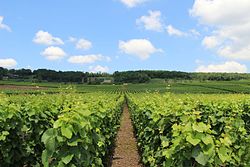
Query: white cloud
pixel 154 22
pixel 83 44
pixel 141 48
pixel 87 59
pixel 175 32
pixel 45 38
pixel 99 68
pixel 172 31
pixel 53 53
pixel 8 63
pixel 221 12
pixel 4 26
pixel 132 3
pixel 229 67
pixel 230 23
pixel 234 53
pixel 210 42
pixel 151 22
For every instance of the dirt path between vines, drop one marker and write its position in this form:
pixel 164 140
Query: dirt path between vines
pixel 126 152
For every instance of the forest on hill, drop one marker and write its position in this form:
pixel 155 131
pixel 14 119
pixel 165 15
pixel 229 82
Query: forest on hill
pixel 140 76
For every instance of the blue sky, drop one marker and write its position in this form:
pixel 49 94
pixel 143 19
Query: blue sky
pixel 111 35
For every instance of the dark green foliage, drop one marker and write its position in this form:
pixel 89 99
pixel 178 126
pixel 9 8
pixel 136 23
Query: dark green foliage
pixel 141 76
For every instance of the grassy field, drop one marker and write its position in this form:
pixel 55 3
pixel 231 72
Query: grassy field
pixel 208 87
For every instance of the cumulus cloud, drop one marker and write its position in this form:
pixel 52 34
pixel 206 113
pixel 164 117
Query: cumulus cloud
pixel 4 26
pixel 132 3
pixel 172 31
pixel 87 59
pixel 228 67
pixel 151 22
pixel 8 63
pixel 210 42
pixel 98 68
pixel 141 48
pixel 45 38
pixel 230 23
pixel 53 53
pixel 223 12
pixel 154 22
pixel 83 44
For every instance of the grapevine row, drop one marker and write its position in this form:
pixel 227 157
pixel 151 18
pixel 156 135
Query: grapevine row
pixel 192 130
pixel 57 130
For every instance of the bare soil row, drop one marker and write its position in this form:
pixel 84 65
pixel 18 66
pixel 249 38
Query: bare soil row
pixel 126 152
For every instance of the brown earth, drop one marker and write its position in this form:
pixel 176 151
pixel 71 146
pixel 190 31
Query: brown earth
pixel 126 152
pixel 16 87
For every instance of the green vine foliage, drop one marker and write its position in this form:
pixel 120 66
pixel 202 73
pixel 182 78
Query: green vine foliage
pixel 58 130
pixel 23 119
pixel 192 131
pixel 83 133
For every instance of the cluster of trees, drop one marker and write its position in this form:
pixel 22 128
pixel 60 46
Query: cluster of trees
pixel 54 76
pixel 48 75
pixel 130 77
pixel 144 76
pixel 219 76
pixel 21 73
pixel 141 76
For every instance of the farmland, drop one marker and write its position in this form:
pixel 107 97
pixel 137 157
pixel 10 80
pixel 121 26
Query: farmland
pixel 125 83
pixel 192 130
pixel 179 87
pixel 175 124
pixel 58 130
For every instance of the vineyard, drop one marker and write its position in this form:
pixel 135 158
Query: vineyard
pixel 125 83
pixel 58 130
pixel 185 130
pixel 79 130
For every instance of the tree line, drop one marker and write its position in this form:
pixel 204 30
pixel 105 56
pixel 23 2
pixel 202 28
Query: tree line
pixel 143 76
pixel 41 75
pixel 140 76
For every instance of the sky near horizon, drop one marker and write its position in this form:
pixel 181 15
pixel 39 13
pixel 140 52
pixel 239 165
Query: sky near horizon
pixel 121 35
